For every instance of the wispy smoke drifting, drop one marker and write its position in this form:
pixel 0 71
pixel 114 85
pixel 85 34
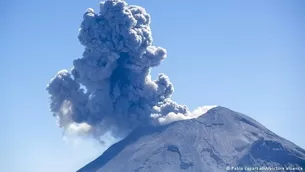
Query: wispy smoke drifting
pixel 110 87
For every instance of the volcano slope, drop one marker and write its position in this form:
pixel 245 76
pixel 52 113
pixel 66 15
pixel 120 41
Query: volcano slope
pixel 220 140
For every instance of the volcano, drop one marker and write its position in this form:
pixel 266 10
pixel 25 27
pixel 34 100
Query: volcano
pixel 220 140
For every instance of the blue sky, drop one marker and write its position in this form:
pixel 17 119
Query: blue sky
pixel 248 56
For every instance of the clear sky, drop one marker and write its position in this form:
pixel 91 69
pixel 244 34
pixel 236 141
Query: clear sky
pixel 248 56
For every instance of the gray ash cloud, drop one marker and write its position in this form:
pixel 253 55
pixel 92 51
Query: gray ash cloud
pixel 110 87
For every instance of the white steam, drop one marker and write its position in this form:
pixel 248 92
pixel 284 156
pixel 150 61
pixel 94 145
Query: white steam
pixel 172 117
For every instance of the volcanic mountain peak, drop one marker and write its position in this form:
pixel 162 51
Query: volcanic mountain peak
pixel 215 141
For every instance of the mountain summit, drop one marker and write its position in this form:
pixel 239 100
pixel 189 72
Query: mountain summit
pixel 220 140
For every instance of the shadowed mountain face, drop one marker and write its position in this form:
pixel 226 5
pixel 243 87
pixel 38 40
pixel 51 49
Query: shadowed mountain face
pixel 220 140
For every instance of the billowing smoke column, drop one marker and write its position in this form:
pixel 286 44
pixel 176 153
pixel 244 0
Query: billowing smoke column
pixel 110 87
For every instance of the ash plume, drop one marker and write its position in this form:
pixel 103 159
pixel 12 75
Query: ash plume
pixel 110 86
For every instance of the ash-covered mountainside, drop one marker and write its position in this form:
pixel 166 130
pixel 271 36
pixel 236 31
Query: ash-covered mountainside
pixel 214 142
